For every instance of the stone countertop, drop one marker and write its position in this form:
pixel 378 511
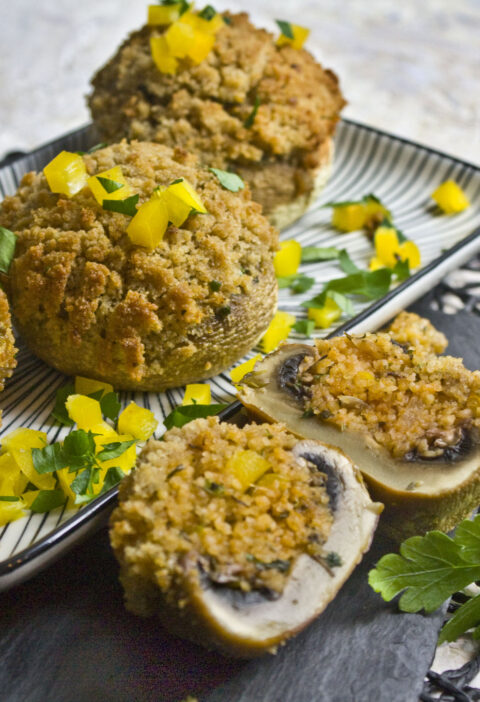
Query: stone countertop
pixel 409 68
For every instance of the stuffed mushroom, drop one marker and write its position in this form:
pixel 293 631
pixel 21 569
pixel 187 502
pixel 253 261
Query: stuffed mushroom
pixel 238 537
pixel 263 110
pixel 96 292
pixel 408 418
pixel 7 345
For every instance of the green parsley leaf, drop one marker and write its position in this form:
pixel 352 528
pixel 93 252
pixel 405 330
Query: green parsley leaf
pixel 214 285
pixel 304 326
pixel 59 412
pixel 207 13
pixel 114 450
pixel 110 406
pixel 400 235
pixel 183 414
pixel 313 254
pixel 401 270
pixel 229 181
pixel 333 559
pixel 251 117
pixel 318 301
pixel 79 449
pixel 8 241
pixel 47 500
pixel 223 312
pixel 346 263
pixel 49 459
pixel 126 207
pixel 430 568
pixel 97 147
pixel 466 616
pixel 97 395
pixel 174 182
pixel 369 284
pixel 227 19
pixel 285 28
pixel 213 488
pixel 9 498
pixel 298 282
pixel 110 185
pixel 112 478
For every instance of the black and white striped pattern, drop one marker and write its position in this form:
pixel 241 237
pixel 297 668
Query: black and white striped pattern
pixel 400 173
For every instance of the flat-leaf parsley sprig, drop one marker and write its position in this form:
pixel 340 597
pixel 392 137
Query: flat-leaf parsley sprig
pixel 431 568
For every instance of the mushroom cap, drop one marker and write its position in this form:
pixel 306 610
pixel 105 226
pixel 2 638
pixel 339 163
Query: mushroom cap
pixel 419 495
pixel 182 593
pixel 90 302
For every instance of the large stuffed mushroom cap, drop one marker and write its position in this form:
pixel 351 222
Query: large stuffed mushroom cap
pixel 90 302
pixel 284 152
pixel 407 417
pixel 237 538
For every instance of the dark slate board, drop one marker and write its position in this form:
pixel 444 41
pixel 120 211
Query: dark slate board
pixel 65 636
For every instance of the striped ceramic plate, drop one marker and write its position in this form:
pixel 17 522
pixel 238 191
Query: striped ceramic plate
pixel 400 173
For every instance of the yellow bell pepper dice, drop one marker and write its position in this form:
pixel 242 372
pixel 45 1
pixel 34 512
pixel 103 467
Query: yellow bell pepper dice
pixel 236 374
pixel 85 411
pixel 163 14
pixel 137 421
pixel 178 211
pixel 348 218
pixel 325 316
pixel 386 245
pixel 373 208
pixel 209 26
pixel 197 394
pixel 450 197
pixel 65 478
pixel 87 386
pixel 66 174
pixel 409 250
pixel 287 260
pixel 375 264
pixel 125 461
pixel 12 480
pixel 10 511
pixel 247 467
pixel 278 330
pixel 109 185
pixel 162 58
pixel 201 46
pixel 179 37
pixel 19 444
pixel 300 35
pixel 182 189
pixel 148 226
pixel 30 496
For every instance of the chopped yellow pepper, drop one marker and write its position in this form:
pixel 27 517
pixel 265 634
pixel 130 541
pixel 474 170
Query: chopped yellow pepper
pixel 197 394
pixel 164 61
pixel 269 479
pixel 149 225
pixel 389 250
pixel 163 14
pixel 278 330
pixel 325 316
pixel 201 46
pixel 287 260
pixel 12 480
pixel 66 173
pixel 300 35
pixel 348 218
pixel 137 421
pixel 11 510
pixel 101 193
pixel 19 444
pixel 450 197
pixel 247 466
pixel 125 461
pixel 87 386
pixel 209 26
pixel 178 211
pixel 187 194
pixel 236 374
pixel 179 37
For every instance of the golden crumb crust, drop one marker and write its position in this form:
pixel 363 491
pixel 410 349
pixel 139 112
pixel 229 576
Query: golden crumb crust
pixel 90 302
pixel 203 108
pixel 393 388
pixel 186 503
pixel 7 343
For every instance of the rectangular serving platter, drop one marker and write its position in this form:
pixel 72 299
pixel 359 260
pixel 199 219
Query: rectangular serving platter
pixel 359 640
pixel 400 173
